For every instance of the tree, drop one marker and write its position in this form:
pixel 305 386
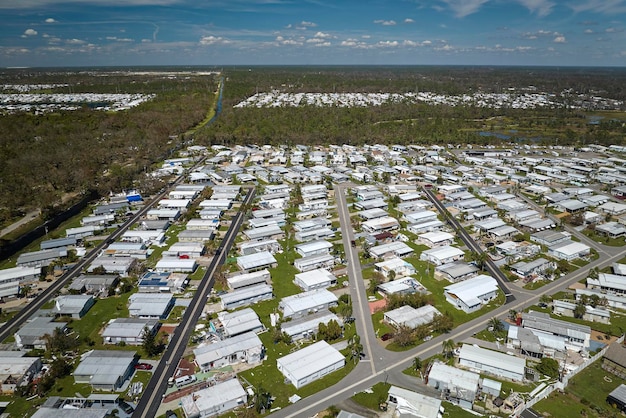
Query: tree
pixel 262 399
pixel 479 258
pixel 403 336
pixel 417 364
pixel 496 325
pixel 545 299
pixel 149 343
pixel 60 342
pixel 580 310
pixel 330 331
pixel 355 347
pixel 549 367
pixel 447 348
pixel 421 331
pixel 563 266
pixel 442 323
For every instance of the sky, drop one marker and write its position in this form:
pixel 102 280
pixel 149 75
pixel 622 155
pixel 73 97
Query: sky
pixel 38 33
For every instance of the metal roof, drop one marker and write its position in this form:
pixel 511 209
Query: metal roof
pixel 105 367
pixel 494 358
pixel 309 360
pixel 205 354
pixel 305 301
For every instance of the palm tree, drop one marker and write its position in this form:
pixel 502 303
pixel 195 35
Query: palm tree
pixel 448 347
pixel 355 346
pixel 496 325
pixel 262 399
pixel 417 363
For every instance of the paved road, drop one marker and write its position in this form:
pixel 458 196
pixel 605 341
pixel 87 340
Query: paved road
pixel 496 273
pixel 381 365
pixel 11 326
pixel 156 387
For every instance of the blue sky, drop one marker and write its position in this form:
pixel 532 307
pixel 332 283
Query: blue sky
pixel 304 32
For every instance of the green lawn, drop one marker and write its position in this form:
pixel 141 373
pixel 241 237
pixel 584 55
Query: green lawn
pixel 100 313
pixel 613 242
pixel 381 392
pixel 426 276
pixel 268 376
pixel 584 396
pixel 373 400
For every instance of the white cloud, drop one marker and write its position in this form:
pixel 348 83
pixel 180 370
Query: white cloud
pixel 323 35
pixel 365 36
pixel 540 34
pixel 315 41
pixel 304 25
pixel 213 40
pixel 609 7
pixel 116 39
pixel 323 44
pixel 146 41
pixel 75 41
pixel 588 31
pixel 427 42
pixel 559 40
pixel 291 42
pixel 385 22
pixel 445 47
pixel 408 42
pixel 540 7
pixel 409 20
pixel 462 8
pixel 390 44
pixel 349 42
pixel 30 32
pixel 50 20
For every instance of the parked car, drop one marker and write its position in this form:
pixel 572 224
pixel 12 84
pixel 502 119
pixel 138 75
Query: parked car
pixel 126 407
pixel 386 337
pixel 143 366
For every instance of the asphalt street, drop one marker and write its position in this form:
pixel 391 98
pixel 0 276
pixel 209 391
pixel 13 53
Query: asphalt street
pixel 381 365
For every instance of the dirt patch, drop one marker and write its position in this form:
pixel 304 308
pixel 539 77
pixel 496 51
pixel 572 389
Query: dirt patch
pixel 377 305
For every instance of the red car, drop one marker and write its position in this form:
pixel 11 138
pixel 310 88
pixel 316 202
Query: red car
pixel 143 366
pixel 386 337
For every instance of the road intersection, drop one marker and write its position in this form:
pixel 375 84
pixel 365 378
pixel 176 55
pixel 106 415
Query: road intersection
pixel 380 364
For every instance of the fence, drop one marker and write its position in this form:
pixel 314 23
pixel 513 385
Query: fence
pixel 564 381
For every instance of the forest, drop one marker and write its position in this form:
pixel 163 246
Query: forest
pixel 418 123
pixel 51 159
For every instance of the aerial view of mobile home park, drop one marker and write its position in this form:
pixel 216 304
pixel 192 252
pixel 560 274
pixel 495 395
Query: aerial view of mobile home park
pixel 448 254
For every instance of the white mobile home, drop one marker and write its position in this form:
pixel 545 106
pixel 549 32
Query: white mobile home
pixel 310 363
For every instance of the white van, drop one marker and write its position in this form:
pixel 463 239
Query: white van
pixel 184 380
